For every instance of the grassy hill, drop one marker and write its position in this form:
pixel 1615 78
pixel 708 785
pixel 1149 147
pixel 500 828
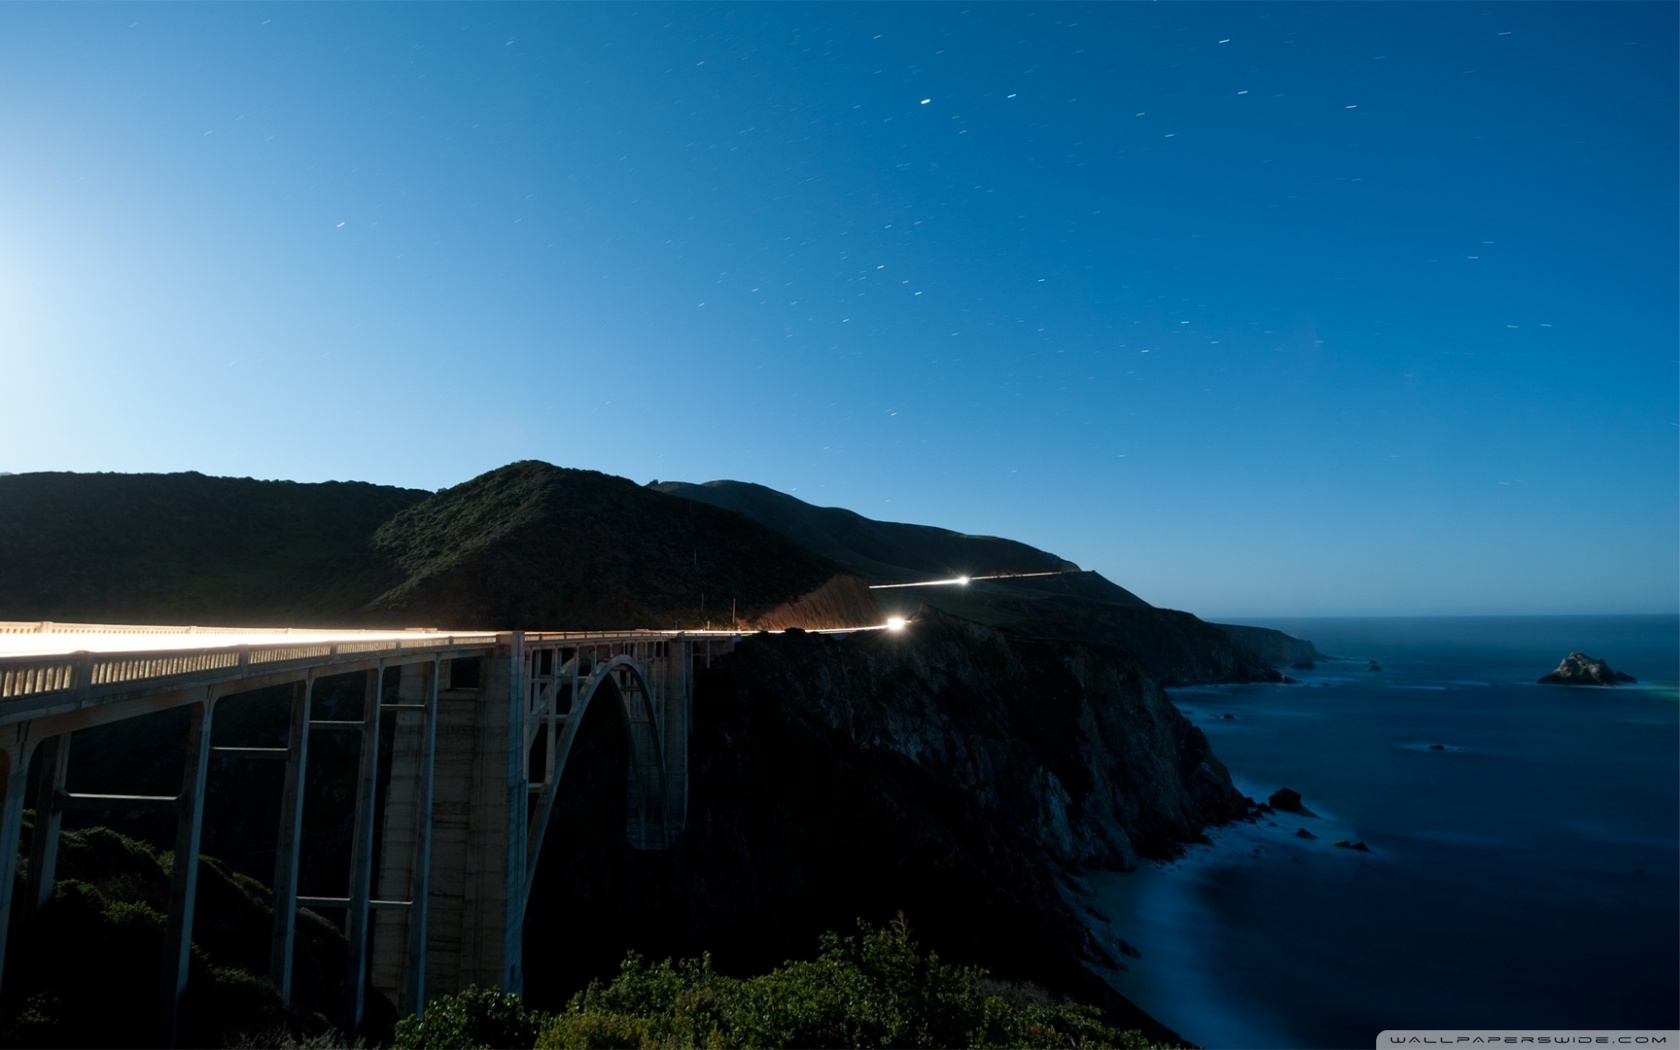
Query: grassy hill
pixel 536 546
pixel 1074 605
pixel 169 548
pixel 882 551
pixel 528 545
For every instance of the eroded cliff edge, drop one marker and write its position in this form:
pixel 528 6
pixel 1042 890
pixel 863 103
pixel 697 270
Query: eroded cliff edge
pixel 956 772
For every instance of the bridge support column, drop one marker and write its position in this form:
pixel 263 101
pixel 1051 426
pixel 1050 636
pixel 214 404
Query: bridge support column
pixel 14 780
pixel 361 853
pixel 49 818
pixel 286 847
pixel 475 894
pixel 675 702
pixel 399 937
pixel 515 815
pixel 183 876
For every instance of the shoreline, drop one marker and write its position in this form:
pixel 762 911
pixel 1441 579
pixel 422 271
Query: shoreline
pixel 1161 911
pixel 1515 831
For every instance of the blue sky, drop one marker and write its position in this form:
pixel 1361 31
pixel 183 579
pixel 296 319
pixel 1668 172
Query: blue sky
pixel 1256 309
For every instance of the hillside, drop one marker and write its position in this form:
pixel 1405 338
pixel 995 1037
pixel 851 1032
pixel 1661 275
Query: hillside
pixel 1072 605
pixel 536 546
pixel 528 545
pixel 163 548
pixel 881 551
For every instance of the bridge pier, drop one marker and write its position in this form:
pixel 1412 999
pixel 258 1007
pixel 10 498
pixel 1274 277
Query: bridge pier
pixel 49 819
pixel 14 778
pixel 398 952
pixel 286 847
pixel 361 851
pixel 183 871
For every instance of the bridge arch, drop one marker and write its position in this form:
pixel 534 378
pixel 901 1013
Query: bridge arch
pixel 627 687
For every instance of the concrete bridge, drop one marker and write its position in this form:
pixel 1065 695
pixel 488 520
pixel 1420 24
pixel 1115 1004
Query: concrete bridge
pixel 482 726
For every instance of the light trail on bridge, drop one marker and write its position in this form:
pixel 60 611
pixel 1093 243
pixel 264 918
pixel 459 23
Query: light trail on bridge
pixel 964 581
pixel 58 639
pixel 26 639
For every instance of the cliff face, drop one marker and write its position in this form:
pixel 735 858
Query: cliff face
pixel 1274 647
pixel 952 771
pixel 1174 648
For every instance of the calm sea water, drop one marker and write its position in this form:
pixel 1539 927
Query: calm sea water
pixel 1525 875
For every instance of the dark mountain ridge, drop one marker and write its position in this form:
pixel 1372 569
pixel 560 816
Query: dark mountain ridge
pixel 881 551
pixel 155 548
pixel 528 545
pixel 541 547
pixel 1071 605
pixel 538 546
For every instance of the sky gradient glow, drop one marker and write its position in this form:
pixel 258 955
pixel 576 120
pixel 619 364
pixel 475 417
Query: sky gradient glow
pixel 1256 309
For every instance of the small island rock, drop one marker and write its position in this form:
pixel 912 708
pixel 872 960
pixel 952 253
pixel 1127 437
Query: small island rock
pixel 1581 669
pixel 1286 799
pixel 1345 844
pixel 1303 833
pixel 1375 666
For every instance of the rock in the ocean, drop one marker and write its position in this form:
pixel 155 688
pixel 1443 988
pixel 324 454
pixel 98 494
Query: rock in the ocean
pixel 1437 747
pixel 1345 844
pixel 1375 666
pixel 1303 833
pixel 1286 798
pixel 1581 669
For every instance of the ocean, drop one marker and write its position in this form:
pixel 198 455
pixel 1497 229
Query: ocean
pixel 1525 874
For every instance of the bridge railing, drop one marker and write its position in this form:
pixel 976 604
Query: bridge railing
pixel 40 676
pixel 55 627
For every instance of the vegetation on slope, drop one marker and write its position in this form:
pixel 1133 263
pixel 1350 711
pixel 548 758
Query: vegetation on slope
pixel 880 550
pixel 182 548
pixel 529 545
pixel 537 546
pixel 84 971
pixel 875 989
pixel 1072 605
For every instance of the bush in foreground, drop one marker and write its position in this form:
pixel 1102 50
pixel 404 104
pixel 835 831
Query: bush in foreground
pixel 877 989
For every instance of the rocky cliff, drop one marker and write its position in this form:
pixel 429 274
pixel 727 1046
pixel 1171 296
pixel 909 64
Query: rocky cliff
pixel 954 771
pixel 1274 648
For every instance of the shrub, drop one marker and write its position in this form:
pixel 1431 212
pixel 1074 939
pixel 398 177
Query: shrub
pixel 476 1018
pixel 876 989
